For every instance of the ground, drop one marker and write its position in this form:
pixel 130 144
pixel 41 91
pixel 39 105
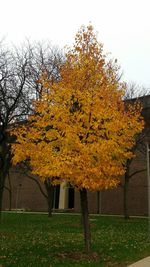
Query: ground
pixel 35 240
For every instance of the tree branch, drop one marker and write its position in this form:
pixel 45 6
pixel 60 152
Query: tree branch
pixel 35 180
pixel 136 172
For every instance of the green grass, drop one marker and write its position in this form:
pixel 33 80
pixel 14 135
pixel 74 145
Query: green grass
pixel 35 240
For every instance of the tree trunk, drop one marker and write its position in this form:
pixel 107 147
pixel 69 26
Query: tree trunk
pixel 50 196
pixel 3 175
pixel 126 190
pixel 1 192
pixel 5 157
pixel 10 192
pixel 85 219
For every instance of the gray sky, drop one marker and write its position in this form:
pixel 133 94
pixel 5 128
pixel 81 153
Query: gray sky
pixel 123 26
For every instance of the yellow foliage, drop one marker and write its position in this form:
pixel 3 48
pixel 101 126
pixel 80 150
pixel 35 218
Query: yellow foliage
pixel 82 132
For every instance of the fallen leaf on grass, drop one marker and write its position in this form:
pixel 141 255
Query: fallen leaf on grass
pixel 78 256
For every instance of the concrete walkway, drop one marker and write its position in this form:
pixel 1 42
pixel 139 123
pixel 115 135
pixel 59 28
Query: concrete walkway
pixel 142 263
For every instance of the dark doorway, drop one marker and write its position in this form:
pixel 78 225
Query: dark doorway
pixel 56 196
pixel 70 198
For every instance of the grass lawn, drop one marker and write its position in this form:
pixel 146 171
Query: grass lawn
pixel 35 240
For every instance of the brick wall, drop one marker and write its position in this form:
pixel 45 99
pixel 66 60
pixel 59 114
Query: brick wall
pixel 26 195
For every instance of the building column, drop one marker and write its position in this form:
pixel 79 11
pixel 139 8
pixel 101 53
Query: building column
pixel 63 196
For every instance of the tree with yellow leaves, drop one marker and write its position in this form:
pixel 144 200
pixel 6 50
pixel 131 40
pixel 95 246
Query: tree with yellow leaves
pixel 81 131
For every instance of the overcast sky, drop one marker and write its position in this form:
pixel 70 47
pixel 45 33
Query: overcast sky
pixel 123 26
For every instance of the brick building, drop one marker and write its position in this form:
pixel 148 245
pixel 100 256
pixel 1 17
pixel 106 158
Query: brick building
pixel 25 193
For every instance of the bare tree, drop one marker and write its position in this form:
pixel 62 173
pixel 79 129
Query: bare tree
pixel 13 97
pixel 43 59
pixel 134 93
pixel 48 193
pixel 139 148
pixel 20 71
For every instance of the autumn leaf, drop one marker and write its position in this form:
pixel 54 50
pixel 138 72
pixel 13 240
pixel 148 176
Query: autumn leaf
pixel 82 130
